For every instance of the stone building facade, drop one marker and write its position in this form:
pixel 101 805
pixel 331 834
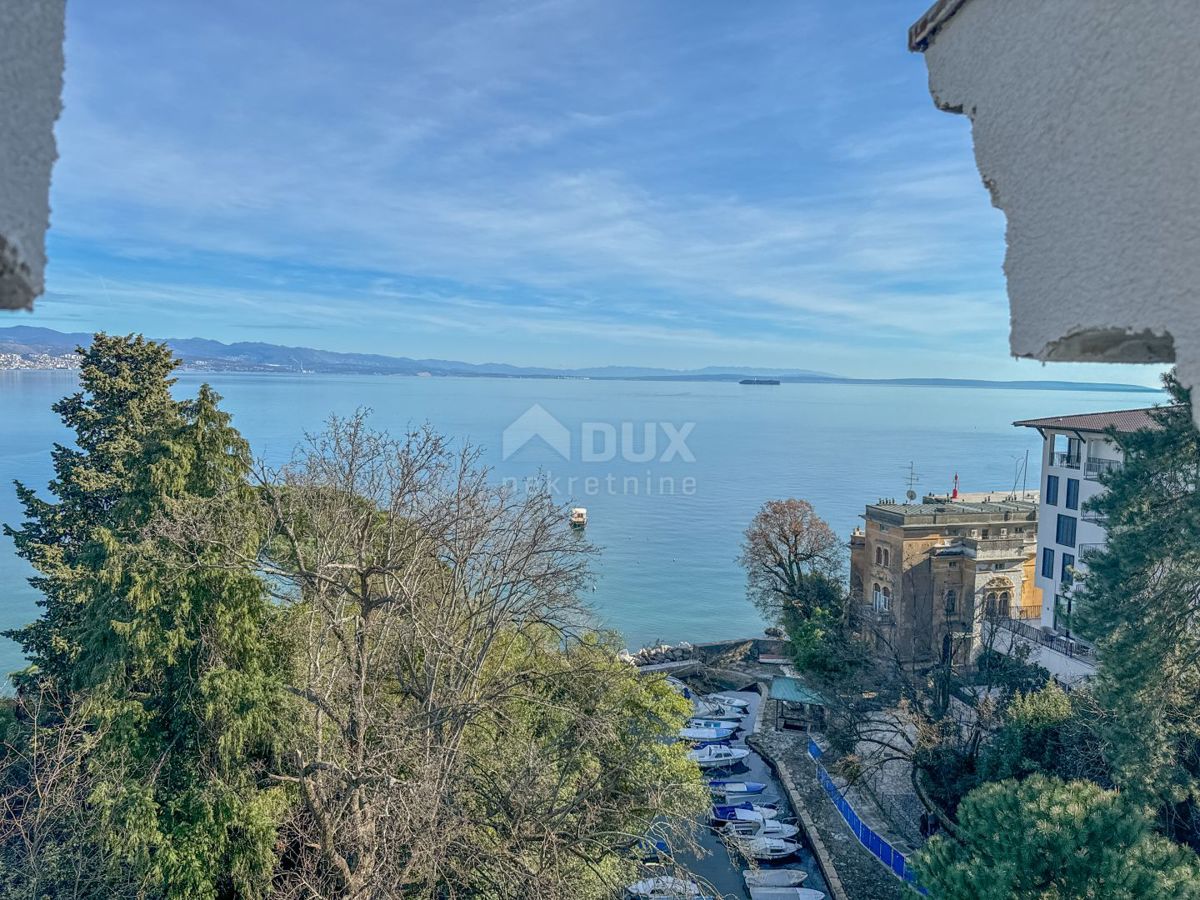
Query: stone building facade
pixel 923 576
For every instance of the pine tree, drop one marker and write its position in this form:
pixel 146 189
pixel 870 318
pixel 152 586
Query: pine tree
pixel 1043 837
pixel 167 649
pixel 1139 601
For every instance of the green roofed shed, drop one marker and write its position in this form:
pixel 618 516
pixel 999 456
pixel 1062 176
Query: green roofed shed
pixel 809 709
pixel 793 690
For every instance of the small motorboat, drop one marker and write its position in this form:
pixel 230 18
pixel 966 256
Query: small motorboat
pixel 578 517
pixel 716 757
pixel 680 687
pixel 759 827
pixel 721 814
pixel 664 887
pixel 728 700
pixel 705 734
pixel 766 848
pixel 785 893
pixel 736 788
pixel 711 723
pixel 650 850
pixel 703 710
pixel 774 877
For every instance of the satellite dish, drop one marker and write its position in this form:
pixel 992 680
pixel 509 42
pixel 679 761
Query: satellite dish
pixel 911 495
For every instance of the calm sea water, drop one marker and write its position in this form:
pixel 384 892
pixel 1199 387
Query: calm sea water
pixel 670 528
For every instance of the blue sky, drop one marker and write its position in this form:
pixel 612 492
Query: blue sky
pixel 552 183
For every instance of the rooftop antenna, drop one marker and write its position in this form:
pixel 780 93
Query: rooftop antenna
pixel 912 480
pixel 1021 475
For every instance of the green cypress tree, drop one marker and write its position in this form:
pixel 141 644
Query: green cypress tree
pixel 166 647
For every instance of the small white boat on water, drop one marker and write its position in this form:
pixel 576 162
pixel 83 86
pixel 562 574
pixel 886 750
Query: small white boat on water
pixel 785 893
pixel 702 709
pixel 766 848
pixel 717 757
pixel 759 827
pixel 679 687
pixel 725 788
pixel 728 700
pixel 722 813
pixel 774 877
pixel 705 734
pixel 712 723
pixel 578 517
pixel 664 887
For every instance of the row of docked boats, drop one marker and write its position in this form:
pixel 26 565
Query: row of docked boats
pixel 716 719
pixel 751 829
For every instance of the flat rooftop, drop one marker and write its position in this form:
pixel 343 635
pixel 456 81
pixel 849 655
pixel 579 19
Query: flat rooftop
pixel 954 512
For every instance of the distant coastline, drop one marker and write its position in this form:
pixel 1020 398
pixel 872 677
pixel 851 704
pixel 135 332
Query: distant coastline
pixel 24 348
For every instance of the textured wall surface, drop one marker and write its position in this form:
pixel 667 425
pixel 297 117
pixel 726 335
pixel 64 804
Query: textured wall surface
pixel 31 71
pixel 1086 120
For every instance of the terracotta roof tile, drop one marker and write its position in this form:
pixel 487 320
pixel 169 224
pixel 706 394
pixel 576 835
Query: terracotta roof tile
pixel 1124 420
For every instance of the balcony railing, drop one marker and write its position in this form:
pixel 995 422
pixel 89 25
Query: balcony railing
pixel 1066 460
pixel 1088 548
pixel 1096 518
pixel 1060 643
pixel 1098 466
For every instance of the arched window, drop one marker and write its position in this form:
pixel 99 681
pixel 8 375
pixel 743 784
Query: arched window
pixel 876 595
pixel 887 561
pixel 878 556
pixel 886 599
pixel 951 602
pixel 1002 607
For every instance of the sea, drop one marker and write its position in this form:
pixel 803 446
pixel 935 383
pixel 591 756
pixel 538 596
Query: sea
pixel 670 473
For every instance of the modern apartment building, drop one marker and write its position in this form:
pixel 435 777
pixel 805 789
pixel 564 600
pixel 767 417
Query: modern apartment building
pixel 924 575
pixel 1076 451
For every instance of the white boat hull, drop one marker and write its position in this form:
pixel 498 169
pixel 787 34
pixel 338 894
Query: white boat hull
pixel 774 877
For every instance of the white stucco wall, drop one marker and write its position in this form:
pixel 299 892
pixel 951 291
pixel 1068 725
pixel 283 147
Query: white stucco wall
pixel 1086 120
pixel 31 72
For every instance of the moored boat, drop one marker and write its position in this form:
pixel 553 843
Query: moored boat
pixel 705 734
pixel 722 813
pixel 728 700
pixel 785 893
pixel 765 848
pixel 712 723
pixel 725 788
pixel 759 827
pixel 702 709
pixel 578 517
pixel 774 877
pixel 664 887
pixel 718 757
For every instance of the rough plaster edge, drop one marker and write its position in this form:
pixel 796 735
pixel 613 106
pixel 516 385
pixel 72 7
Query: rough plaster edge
pixel 1112 344
pixel 17 289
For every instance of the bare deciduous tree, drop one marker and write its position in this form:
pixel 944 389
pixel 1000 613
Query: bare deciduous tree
pixel 786 545
pixel 50 842
pixel 462 730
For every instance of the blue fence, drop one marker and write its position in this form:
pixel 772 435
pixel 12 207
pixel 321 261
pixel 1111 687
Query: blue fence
pixel 880 849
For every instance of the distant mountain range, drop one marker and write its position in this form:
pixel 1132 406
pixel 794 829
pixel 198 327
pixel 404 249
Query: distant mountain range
pixel 213 356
